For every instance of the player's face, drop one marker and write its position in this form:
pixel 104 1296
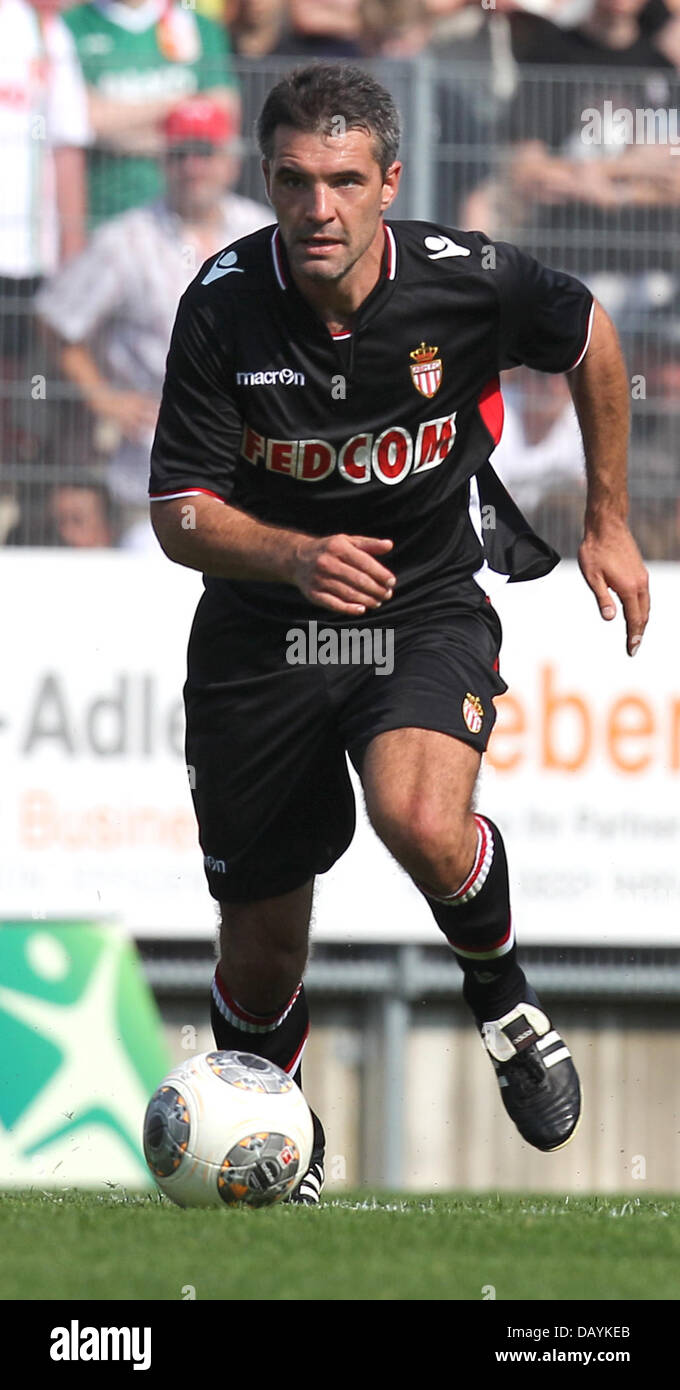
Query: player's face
pixel 329 194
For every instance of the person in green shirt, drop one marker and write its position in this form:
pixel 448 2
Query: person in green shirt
pixel 139 58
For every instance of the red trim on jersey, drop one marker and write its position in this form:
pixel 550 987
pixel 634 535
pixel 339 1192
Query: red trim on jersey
pixel 346 333
pixel 491 409
pixel 188 492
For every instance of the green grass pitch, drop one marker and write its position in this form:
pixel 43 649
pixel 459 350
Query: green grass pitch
pixel 356 1246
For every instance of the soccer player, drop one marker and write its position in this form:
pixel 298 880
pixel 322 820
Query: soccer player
pixel 331 389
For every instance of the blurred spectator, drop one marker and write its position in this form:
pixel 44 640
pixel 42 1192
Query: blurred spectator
pixel 43 128
pixel 540 448
pixel 461 123
pixel 652 343
pixel 324 28
pixel 652 347
pixel 558 518
pixel 611 35
pixel 217 10
pixel 654 483
pixel 395 28
pixel 112 309
pixel 582 189
pixel 660 20
pixel 299 28
pixel 78 512
pixel 467 32
pixel 264 29
pixel 81 515
pixel 140 57
pixel 540 456
pixel 258 27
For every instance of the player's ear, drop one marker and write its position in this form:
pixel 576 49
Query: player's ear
pixel 391 184
pixel 266 174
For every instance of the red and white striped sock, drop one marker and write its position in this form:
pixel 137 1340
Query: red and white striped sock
pixel 477 923
pixel 280 1037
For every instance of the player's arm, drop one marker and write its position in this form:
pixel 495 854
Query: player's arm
pixel 337 572
pixel 195 462
pixel 608 556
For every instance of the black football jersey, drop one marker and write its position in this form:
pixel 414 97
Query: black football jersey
pixel 373 432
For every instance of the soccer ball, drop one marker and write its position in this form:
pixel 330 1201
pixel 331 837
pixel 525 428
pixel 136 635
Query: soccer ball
pixel 227 1128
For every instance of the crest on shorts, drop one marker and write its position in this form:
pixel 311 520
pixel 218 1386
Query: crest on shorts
pixel 426 370
pixel 473 712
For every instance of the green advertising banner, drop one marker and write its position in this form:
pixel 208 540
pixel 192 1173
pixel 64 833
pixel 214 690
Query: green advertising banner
pixel 82 1049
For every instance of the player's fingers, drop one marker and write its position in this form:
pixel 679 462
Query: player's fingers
pixel 327 600
pixel 352 587
pixel 361 553
pixel 372 544
pixel 603 597
pixel 364 580
pixel 645 600
pixel 635 622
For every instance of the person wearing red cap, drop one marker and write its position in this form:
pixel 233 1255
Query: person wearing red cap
pixel 139 58
pixel 111 310
pixel 201 118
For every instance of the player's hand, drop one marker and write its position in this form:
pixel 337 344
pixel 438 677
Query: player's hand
pixel 343 572
pixel 609 559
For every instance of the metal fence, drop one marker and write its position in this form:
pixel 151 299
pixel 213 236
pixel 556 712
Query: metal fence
pixel 546 159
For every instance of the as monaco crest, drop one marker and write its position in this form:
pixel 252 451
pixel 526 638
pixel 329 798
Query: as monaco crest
pixel 473 712
pixel 426 370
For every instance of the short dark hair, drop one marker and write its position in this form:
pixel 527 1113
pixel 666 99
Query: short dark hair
pixel 318 96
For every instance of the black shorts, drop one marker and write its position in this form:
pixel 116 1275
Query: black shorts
pixel 267 735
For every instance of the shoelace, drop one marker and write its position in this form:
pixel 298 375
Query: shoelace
pixel 527 1071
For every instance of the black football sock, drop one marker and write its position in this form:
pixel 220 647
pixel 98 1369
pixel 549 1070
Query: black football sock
pixel 319 1141
pixel 477 923
pixel 280 1037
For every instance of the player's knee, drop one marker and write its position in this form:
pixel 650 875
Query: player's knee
pixel 432 845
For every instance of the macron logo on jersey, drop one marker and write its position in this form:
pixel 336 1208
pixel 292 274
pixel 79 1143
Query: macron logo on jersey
pixel 438 247
pixel 283 376
pixel 224 265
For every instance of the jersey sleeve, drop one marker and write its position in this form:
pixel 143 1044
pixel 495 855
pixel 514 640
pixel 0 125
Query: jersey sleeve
pixel 199 425
pixel 545 315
